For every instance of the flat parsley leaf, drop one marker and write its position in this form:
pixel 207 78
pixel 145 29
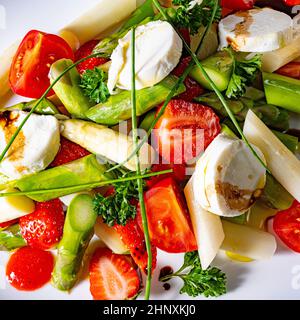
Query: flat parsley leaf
pixel 243 74
pixel 190 14
pixel 93 83
pixel 118 207
pixel 196 281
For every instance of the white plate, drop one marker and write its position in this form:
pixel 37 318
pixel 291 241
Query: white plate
pixel 278 278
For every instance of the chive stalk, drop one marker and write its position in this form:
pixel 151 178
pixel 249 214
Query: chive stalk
pixel 138 170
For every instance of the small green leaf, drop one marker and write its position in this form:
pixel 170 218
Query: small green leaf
pixel 196 281
pixel 93 83
pixel 193 16
pixel 118 207
pixel 244 73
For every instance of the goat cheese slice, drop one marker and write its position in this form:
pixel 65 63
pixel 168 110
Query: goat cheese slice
pixel 35 146
pixel 256 30
pixel 158 49
pixel 228 178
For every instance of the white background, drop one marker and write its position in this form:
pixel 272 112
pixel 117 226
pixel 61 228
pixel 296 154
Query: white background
pixel 278 278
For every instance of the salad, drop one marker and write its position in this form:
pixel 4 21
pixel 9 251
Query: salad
pixel 172 132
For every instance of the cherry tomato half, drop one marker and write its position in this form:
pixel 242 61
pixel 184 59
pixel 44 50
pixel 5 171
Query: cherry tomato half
pixel 286 225
pixel 168 219
pixel 185 130
pixel 30 67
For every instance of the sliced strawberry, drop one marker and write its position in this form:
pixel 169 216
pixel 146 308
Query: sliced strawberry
pixel 193 88
pixel 112 276
pixel 84 51
pixel 182 65
pixel 133 237
pixel 69 151
pixel 8 223
pixel 43 228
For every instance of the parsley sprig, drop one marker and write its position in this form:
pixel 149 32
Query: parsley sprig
pixel 94 85
pixel 243 74
pixel 196 281
pixel 191 14
pixel 118 207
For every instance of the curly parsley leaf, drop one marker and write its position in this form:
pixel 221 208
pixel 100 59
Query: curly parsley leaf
pixel 93 83
pixel 243 74
pixel 118 208
pixel 191 14
pixel 196 281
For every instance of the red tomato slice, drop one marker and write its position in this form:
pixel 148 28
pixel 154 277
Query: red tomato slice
pixel 291 69
pixel 178 173
pixel 168 219
pixel 238 4
pixel 30 67
pixel 185 130
pixel 286 224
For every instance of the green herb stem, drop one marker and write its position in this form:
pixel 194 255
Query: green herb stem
pixel 82 187
pixel 138 171
pixel 213 85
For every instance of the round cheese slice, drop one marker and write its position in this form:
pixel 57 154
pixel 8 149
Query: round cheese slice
pixel 158 49
pixel 229 177
pixel 256 30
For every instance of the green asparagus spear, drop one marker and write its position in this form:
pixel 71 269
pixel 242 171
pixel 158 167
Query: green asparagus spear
pixel 84 170
pixel 275 196
pixel 289 141
pixel 78 231
pixel 118 107
pixel 213 101
pixel 11 238
pixel 146 122
pixel 254 94
pixel 219 67
pixel 142 15
pixel 45 107
pixel 68 88
pixel 282 91
pixel 272 116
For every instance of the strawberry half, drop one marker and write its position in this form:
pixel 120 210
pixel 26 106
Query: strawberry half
pixel 68 151
pixel 84 51
pixel 193 88
pixel 112 276
pixel 133 237
pixel 43 228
